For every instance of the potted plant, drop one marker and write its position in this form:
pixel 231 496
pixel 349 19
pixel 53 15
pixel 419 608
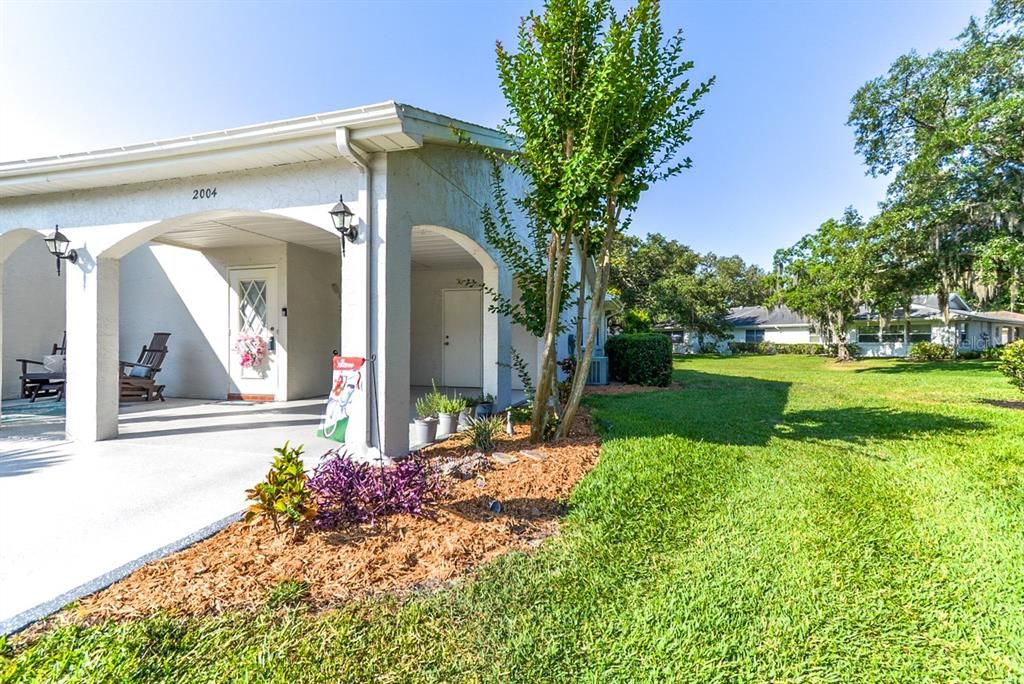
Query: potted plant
pixel 466 415
pixel 484 406
pixel 448 410
pixel 425 425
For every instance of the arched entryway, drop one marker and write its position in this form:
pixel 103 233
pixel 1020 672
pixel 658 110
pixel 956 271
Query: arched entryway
pixel 209 279
pixel 32 307
pixel 456 340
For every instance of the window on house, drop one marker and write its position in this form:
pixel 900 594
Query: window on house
pixel 894 333
pixel 755 336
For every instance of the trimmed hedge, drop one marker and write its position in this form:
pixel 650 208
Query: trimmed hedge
pixel 640 359
pixel 770 348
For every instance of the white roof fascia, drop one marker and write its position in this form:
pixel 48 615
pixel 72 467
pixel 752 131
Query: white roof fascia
pixel 386 120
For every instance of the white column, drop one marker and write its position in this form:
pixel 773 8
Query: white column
pixel 375 290
pixel 497 340
pixel 390 329
pixel 92 359
pixel 355 322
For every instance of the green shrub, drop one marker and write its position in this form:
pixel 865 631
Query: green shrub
pixel 452 405
pixel 930 351
pixel 640 359
pixel 483 431
pixel 991 353
pixel 769 348
pixel 1011 363
pixel 283 494
pixel 636 321
pixel 969 355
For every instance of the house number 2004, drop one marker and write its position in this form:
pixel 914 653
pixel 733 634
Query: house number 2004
pixel 204 193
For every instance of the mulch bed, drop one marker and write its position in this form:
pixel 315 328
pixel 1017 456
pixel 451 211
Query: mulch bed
pixel 234 568
pixel 622 388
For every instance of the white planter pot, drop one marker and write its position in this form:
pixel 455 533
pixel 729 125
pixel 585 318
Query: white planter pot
pixel 446 424
pixel 465 417
pixel 424 430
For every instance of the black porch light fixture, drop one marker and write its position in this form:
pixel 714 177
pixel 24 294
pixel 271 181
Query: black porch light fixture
pixel 57 245
pixel 344 222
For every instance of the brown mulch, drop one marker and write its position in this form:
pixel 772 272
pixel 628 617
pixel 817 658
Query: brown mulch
pixel 235 567
pixel 622 388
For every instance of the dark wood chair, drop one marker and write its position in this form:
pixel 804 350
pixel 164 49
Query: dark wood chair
pixel 138 380
pixel 43 383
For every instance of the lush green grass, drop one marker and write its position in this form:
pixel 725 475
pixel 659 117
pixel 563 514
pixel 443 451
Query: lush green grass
pixel 780 518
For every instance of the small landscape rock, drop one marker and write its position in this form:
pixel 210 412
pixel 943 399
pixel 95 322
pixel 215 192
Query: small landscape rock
pixel 534 455
pixel 503 458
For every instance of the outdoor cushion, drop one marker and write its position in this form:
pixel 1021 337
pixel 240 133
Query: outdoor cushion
pixel 138 372
pixel 54 363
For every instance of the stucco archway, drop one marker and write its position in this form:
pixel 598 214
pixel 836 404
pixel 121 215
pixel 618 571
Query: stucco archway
pixel 32 305
pixel 182 275
pixel 471 349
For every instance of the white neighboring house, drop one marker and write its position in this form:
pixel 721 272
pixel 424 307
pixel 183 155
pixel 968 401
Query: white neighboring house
pixel 969 330
pixel 210 235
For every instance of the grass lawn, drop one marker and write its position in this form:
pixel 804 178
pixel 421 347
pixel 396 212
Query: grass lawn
pixel 779 518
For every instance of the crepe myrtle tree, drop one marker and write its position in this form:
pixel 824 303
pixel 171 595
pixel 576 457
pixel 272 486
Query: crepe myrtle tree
pixel 824 276
pixel 599 108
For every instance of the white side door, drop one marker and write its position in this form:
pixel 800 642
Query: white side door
pixel 253 314
pixel 462 338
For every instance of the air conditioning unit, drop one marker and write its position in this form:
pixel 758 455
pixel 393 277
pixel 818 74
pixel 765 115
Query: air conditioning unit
pixel 598 371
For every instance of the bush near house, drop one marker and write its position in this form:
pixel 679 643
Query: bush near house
pixel 930 351
pixel 769 348
pixel 1011 363
pixel 640 359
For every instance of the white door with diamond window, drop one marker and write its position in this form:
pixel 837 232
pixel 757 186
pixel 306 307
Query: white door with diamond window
pixel 254 329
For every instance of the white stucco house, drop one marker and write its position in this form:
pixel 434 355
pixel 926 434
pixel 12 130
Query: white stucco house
pixel 970 330
pixel 212 235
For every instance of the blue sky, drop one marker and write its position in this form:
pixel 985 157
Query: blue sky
pixel 773 157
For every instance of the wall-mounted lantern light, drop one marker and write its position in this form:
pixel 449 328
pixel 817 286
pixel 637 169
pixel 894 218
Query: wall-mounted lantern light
pixel 344 222
pixel 57 245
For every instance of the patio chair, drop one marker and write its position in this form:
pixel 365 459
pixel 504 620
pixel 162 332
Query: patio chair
pixel 47 381
pixel 138 380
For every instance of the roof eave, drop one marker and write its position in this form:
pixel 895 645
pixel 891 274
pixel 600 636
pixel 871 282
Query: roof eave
pixel 386 126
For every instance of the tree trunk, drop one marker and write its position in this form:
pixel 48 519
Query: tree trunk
pixel 557 257
pixel 601 276
pixel 581 297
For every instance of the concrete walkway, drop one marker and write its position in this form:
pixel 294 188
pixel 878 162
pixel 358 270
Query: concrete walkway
pixel 71 513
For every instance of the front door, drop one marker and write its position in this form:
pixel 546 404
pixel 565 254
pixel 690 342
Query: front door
pixel 462 338
pixel 253 354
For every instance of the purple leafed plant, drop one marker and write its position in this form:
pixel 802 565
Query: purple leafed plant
pixel 350 493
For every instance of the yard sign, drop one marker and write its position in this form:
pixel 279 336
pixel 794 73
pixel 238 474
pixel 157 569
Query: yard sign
pixel 348 379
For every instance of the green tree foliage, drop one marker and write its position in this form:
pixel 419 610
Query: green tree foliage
pixel 823 277
pixel 599 107
pixel 948 127
pixel 671 282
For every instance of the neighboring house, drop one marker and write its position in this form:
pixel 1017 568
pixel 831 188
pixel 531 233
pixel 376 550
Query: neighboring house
pixel 214 235
pixel 969 330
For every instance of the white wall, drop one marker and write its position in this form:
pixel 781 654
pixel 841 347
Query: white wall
pixel 314 320
pixel 526 345
pixel 426 320
pixel 33 309
pixel 183 292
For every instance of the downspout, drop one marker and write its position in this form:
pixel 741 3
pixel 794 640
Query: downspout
pixel 343 141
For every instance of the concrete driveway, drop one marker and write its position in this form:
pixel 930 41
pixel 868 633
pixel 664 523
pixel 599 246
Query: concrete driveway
pixel 70 514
